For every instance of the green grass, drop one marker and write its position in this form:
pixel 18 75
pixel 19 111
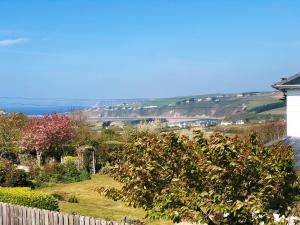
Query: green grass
pixel 255 101
pixel 279 111
pixel 230 106
pixel 93 204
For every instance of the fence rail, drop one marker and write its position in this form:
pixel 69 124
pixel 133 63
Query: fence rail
pixel 21 215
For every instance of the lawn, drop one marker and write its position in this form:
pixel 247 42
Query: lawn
pixel 93 204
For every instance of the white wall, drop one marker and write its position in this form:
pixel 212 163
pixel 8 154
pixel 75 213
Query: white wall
pixel 293 113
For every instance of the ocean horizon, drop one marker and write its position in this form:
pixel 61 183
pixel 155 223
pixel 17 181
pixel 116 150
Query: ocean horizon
pixel 39 106
pixel 42 110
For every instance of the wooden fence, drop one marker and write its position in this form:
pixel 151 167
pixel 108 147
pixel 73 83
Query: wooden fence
pixel 20 215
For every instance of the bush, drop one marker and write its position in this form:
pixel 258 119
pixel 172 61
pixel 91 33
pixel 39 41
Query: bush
pixel 60 196
pixel 201 180
pixel 73 199
pixel 62 173
pixel 29 198
pixel 12 177
pixel 84 175
pixel 5 168
pixel 70 173
pixel 71 159
pixel 114 151
pixel 269 131
pixel 17 178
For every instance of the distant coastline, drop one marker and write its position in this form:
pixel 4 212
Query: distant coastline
pixel 42 110
pixel 40 106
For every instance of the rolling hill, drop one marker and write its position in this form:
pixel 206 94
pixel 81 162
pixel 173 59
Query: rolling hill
pixel 249 106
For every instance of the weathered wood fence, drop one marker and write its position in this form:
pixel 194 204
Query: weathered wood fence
pixel 20 215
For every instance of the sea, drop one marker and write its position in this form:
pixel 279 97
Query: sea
pixel 43 106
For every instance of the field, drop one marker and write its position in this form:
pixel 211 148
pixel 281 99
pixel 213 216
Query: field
pixel 93 204
pixel 252 106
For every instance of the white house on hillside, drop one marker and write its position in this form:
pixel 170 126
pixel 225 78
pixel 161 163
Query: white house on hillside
pixel 291 89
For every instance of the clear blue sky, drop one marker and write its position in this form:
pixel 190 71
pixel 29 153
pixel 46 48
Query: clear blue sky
pixel 156 48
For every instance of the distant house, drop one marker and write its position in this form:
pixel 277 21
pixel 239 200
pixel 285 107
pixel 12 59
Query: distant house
pixel 226 123
pixel 240 122
pixel 291 90
pixel 150 107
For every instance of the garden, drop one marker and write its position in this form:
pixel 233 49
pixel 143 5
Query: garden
pixel 58 162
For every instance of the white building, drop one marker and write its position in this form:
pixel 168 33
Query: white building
pixel 291 89
pixel 240 122
pixel 226 123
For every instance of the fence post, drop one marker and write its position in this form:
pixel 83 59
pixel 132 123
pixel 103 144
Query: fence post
pixel 46 217
pixel 1 213
pixel 21 215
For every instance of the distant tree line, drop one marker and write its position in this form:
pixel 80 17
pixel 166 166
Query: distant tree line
pixel 267 107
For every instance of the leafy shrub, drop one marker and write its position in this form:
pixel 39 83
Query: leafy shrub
pixel 9 156
pixel 17 178
pixel 201 180
pixel 73 199
pixel 60 196
pixel 266 132
pixel 27 197
pixel 71 159
pixel 5 167
pixel 84 175
pixel 11 125
pixel 270 131
pixel 62 173
pixel 70 172
pixel 12 177
pixel 114 149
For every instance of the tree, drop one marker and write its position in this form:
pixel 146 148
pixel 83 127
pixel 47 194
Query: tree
pixel 219 180
pixel 10 128
pixel 82 132
pixel 45 133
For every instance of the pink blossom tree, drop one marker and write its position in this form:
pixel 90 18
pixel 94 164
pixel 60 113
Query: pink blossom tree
pixel 42 134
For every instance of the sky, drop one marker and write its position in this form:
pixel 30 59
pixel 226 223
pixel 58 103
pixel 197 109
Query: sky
pixel 145 49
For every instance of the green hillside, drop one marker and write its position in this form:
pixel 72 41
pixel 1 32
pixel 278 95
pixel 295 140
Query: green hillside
pixel 250 105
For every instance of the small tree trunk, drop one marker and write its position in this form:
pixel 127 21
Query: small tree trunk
pixel 39 157
pixel 94 163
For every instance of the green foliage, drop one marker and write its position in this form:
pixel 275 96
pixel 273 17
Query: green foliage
pixel 114 151
pixel 73 199
pixel 12 177
pixel 10 130
pixel 219 180
pixel 266 132
pixel 60 196
pixel 110 134
pixel 84 175
pixel 17 178
pixel 62 173
pixel 27 197
pixel 267 107
pixel 71 159
pixel 270 131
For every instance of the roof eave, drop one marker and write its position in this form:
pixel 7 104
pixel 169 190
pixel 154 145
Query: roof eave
pixel 285 87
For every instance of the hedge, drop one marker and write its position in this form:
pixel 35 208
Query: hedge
pixel 27 197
